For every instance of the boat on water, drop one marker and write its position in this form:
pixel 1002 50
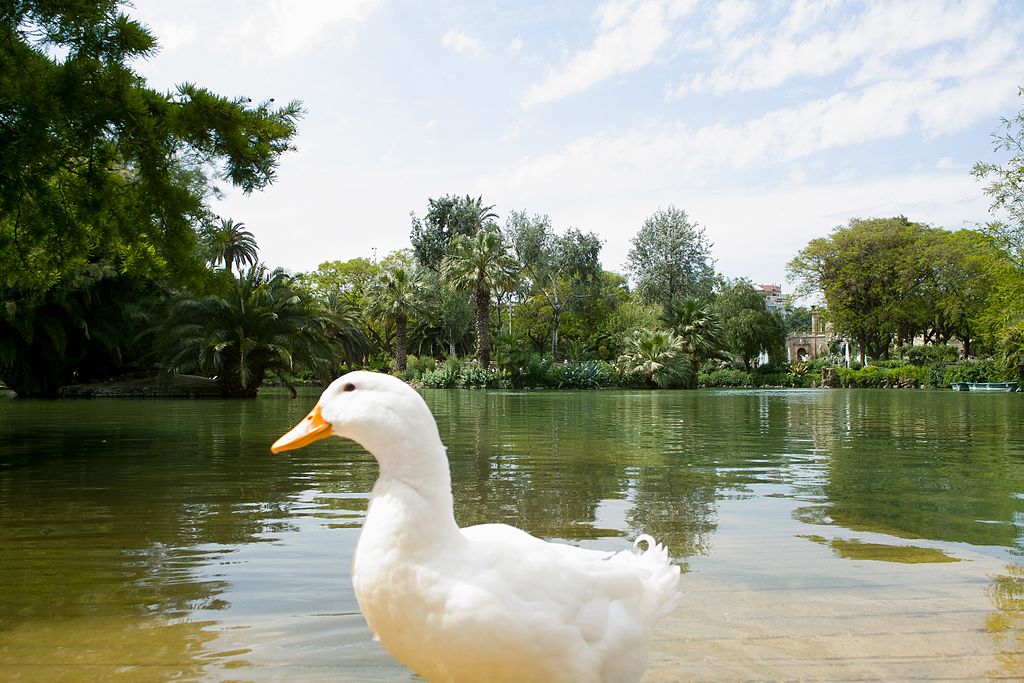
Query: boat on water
pixel 983 386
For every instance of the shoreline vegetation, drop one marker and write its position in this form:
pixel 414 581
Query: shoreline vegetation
pixel 545 375
pixel 113 258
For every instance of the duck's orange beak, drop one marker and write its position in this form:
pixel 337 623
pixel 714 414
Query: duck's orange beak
pixel 310 429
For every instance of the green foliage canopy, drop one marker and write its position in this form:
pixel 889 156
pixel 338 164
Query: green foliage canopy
pixel 259 324
pixel 671 259
pixel 562 268
pixel 103 179
pixel 888 279
pixel 748 328
pixel 447 218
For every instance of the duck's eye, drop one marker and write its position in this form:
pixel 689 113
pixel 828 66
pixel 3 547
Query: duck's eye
pixel 348 386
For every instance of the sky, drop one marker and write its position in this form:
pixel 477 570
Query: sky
pixel 769 123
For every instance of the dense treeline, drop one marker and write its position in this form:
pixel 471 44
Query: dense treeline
pixel 112 261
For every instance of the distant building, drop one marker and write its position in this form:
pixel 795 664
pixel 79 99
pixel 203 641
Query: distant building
pixel 802 346
pixel 773 299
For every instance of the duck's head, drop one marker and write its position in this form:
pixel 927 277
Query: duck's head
pixel 374 410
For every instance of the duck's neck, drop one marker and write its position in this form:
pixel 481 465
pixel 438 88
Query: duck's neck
pixel 412 499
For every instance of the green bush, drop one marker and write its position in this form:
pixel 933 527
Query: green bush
pixel 930 355
pixel 877 376
pixel 768 379
pixel 985 370
pixel 417 366
pixel 447 375
pixel 724 377
pixel 453 374
pixel 477 377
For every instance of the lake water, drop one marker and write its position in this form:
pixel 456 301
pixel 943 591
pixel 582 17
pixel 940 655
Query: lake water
pixel 823 534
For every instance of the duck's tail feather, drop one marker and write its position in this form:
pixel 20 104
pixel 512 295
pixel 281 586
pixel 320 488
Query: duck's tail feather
pixel 664 578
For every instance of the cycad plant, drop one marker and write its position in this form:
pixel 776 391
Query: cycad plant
pixel 260 324
pixel 480 264
pixel 657 356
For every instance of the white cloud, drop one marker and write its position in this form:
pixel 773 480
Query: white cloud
pixel 700 157
pixel 515 45
pixel 269 28
pixel 283 28
pixel 629 35
pixel 461 43
pixel 815 39
pixel 732 14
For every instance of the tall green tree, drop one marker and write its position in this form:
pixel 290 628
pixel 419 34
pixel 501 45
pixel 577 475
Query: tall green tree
pixel 1005 185
pixel 397 295
pixel 479 264
pixel 873 274
pixel 231 244
pixel 259 325
pixel 670 259
pixel 447 218
pixel 798 319
pixel 562 268
pixel 102 178
pixel 963 278
pixel 748 327
pixel 1004 315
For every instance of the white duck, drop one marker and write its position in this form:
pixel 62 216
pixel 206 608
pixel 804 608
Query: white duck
pixel 488 602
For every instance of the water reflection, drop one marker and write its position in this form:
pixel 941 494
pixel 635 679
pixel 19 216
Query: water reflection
pixel 548 461
pixel 920 465
pixel 162 534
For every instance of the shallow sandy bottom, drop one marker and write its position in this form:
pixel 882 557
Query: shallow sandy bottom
pixel 775 597
pixel 793 607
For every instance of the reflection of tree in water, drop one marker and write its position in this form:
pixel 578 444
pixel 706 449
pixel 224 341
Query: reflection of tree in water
pixel 545 461
pixel 922 465
pixel 1007 624
pixel 678 508
pixel 108 509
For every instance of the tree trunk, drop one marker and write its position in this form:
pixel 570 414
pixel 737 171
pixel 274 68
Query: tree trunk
pixel 400 344
pixel 556 318
pixel 482 299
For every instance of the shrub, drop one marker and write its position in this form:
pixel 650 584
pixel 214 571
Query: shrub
pixel 657 356
pixel 447 375
pixel 724 377
pixel 986 370
pixel 877 376
pixel 929 355
pixel 417 366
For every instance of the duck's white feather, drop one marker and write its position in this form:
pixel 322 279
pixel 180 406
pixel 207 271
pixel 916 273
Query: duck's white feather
pixel 488 602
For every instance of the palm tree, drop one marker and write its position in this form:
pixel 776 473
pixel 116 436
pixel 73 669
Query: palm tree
pixel 658 356
pixel 231 244
pixel 480 264
pixel 348 329
pixel 698 329
pixel 394 296
pixel 259 325
pixel 480 216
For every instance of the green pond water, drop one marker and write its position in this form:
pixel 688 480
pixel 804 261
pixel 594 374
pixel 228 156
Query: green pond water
pixel 160 539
